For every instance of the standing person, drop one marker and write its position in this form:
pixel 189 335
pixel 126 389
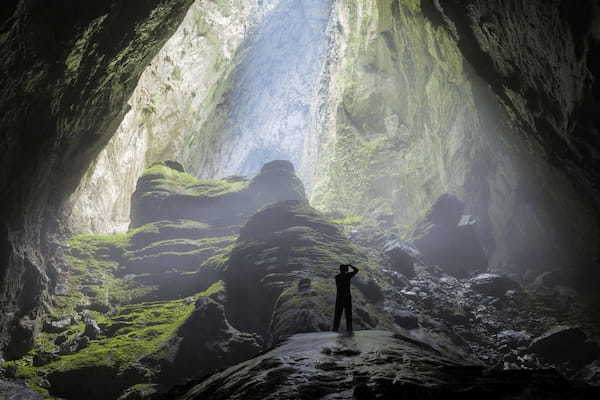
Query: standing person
pixel 343 300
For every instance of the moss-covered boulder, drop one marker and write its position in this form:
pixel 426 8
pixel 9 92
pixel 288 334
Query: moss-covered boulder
pixel 280 275
pixel 165 193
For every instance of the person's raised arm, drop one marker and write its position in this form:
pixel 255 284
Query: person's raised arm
pixel 354 270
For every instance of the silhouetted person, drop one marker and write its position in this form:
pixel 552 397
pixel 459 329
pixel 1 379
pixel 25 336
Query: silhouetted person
pixel 343 300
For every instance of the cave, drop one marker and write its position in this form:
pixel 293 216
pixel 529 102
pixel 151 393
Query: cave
pixel 182 179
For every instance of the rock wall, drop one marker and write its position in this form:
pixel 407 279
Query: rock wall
pixel 407 119
pixel 174 95
pixel 67 72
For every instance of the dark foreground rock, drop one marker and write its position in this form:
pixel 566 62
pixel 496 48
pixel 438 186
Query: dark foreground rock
pixel 565 344
pixel 17 391
pixel 373 365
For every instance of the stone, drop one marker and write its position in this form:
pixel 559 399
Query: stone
pixel 205 343
pixel 449 239
pixel 493 285
pixel 304 284
pixel 550 279
pixel 565 344
pixel 380 365
pixel 57 326
pixel 73 345
pixel 513 338
pixel 174 165
pixel 401 257
pixel 92 330
pixel 406 319
pixel 60 339
pixel 279 245
pixel 11 390
pixel 44 357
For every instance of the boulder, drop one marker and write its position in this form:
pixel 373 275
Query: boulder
pixel 57 326
pixel 493 285
pixel 513 338
pixel 406 319
pixel 550 279
pixel 10 390
pixel 447 238
pixel 565 344
pixel 174 165
pixel 73 345
pixel 44 357
pixel 400 257
pixel 92 330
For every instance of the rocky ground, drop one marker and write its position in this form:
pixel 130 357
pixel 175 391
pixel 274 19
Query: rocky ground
pixel 373 364
pixel 213 273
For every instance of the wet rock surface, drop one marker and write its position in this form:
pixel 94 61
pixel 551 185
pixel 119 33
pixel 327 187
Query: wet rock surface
pixel 373 364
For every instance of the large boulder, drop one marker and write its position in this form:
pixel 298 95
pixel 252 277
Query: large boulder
pixel 280 247
pixel 400 257
pixel 447 238
pixel 565 344
pixel 493 285
pixel 164 192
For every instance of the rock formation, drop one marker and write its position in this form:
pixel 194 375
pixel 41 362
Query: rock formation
pixel 374 364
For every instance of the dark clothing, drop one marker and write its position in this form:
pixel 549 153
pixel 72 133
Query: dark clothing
pixel 343 301
pixel 343 305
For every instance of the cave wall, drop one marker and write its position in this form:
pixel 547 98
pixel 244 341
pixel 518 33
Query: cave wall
pixel 407 119
pixel 68 69
pixel 541 59
pixel 174 95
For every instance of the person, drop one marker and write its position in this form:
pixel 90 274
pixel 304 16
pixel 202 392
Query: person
pixel 343 300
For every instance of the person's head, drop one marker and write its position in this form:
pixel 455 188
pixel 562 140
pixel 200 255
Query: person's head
pixel 343 268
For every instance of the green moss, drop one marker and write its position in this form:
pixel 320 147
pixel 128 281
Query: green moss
pixel 140 330
pixel 161 178
pixel 351 220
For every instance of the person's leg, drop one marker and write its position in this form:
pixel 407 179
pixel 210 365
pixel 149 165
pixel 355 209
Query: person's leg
pixel 348 308
pixel 337 316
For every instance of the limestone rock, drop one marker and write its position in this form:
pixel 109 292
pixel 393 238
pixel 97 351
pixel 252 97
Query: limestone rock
pixel 163 193
pixel 565 344
pixel 401 257
pixel 44 357
pixel 317 365
pixel 57 326
pixel 493 284
pixel 205 343
pixel 447 238
pixel 278 247
pixel 406 319
pixel 92 330
pixel 17 391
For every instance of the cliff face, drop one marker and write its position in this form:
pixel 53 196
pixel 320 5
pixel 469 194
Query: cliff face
pixel 174 95
pixel 67 72
pixel 410 115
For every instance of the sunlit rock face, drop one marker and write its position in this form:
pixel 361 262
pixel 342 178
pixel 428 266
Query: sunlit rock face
pixel 271 107
pixel 173 96
pixel 407 119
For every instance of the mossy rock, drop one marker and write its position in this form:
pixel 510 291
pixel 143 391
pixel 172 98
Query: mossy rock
pixel 279 246
pixel 163 193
